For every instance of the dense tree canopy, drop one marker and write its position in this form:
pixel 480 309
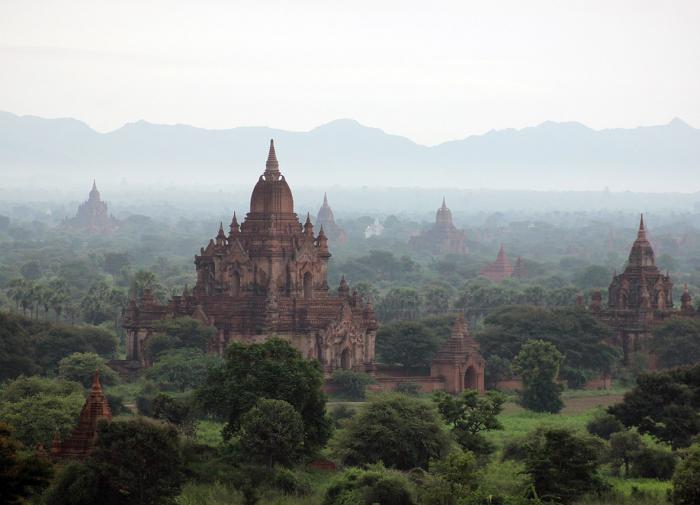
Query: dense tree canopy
pixel 677 342
pixel 80 367
pixel 20 476
pixel 538 364
pixel 15 349
pixel 272 369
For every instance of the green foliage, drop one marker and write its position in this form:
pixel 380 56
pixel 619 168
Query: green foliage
pixel 538 364
pixel 37 407
pixel 81 366
pixel 400 431
pixel 458 468
pixel 351 385
pixel 181 369
pixel 137 462
pixel 665 405
pixel 76 484
pixel 178 412
pixel 579 336
pixel 20 476
pixel 341 412
pixel 376 484
pixel 57 341
pixel 624 448
pixel 469 415
pixel 653 463
pixel 686 478
pixel 603 425
pixel 408 388
pixel 15 348
pixel 272 369
pixel 677 342
pixel 178 333
pixel 562 465
pixel 399 304
pixel 407 343
pixel 291 483
pixel 270 433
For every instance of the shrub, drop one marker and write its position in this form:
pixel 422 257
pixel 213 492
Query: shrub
pixel 291 483
pixel 686 479
pixel 408 388
pixel 340 413
pixel 603 425
pixel 654 463
pixel 367 487
pixel 351 385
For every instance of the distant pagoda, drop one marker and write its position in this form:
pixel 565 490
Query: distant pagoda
pixel 459 361
pixel 325 220
pixel 92 215
pixel 82 440
pixel 498 270
pixel 443 237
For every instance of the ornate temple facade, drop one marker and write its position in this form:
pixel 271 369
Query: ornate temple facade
pixel 443 237
pixel 92 215
pixel 267 277
pixel 325 220
pixel 639 298
pixel 499 269
pixel 81 441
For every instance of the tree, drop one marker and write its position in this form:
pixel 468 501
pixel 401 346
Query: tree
pixel 179 333
pixel 437 299
pixel 272 369
pixel 575 333
pixel 20 477
pixel 469 414
pixel 96 304
pixel 80 367
pixel 16 352
pixel 686 479
pixel 115 262
pixel 60 295
pixel 604 425
pixel 137 462
pixel 677 342
pixel 181 369
pixel 562 465
pixel 538 364
pixel 665 405
pixel 272 432
pixel 399 303
pixel 351 385
pixel 75 484
pixel 56 341
pixel 31 270
pixel 376 484
pixel 38 407
pixel 593 276
pixel 400 431
pixel 624 448
pixel 178 412
pixel 407 343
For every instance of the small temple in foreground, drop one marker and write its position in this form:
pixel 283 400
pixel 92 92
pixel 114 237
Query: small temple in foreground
pixel 325 220
pixel 92 215
pixel 82 440
pixel 267 276
pixel 442 237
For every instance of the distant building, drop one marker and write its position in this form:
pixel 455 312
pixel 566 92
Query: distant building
pixel 82 440
pixel 443 237
pixel 459 361
pixel 326 221
pixel 499 269
pixel 92 215
pixel 375 229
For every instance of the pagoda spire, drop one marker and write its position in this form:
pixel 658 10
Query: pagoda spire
pixel 325 199
pixel 272 167
pixel 444 205
pixel 233 228
pixel 642 233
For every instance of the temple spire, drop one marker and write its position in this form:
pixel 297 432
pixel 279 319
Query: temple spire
pixel 96 385
pixel 444 205
pixel 642 233
pixel 272 167
pixel 325 199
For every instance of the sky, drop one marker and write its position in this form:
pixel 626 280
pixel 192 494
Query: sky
pixel 431 71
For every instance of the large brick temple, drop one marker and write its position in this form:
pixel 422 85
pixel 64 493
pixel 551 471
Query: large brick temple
pixel 443 237
pixel 326 220
pixel 267 277
pixel 93 216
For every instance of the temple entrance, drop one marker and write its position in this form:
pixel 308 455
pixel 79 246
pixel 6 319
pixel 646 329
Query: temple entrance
pixel 235 284
pixel 307 285
pixel 345 359
pixel 470 379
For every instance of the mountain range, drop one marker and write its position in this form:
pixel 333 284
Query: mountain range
pixel 549 156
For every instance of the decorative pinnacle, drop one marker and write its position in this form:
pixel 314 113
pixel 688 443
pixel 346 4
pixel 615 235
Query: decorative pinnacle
pixel 272 167
pixel 642 233
pixel 325 199
pixel 234 221
pixel 96 386
pixel 444 206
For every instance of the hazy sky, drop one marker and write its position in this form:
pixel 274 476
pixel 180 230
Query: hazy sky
pixel 429 70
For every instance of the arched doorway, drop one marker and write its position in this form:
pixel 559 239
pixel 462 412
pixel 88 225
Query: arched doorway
pixel 470 379
pixel 308 280
pixel 345 359
pixel 235 284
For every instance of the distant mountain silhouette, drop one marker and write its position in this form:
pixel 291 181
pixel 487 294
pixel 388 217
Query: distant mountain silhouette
pixel 344 152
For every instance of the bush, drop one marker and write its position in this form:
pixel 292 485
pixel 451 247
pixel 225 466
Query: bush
pixel 686 479
pixel 351 385
pixel 408 388
pixel 81 366
pixel 340 413
pixel 116 404
pixel 654 463
pixel 291 483
pixel 603 425
pixel 367 487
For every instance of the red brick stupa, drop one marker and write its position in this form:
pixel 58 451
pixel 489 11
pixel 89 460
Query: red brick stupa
pixel 81 441
pixel 443 237
pixel 325 220
pixel 92 215
pixel 498 270
pixel 459 361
